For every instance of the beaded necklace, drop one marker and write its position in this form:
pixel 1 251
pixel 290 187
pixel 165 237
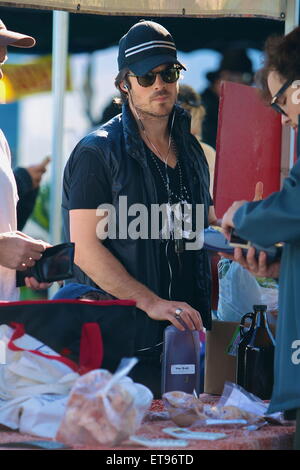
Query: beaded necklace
pixel 183 195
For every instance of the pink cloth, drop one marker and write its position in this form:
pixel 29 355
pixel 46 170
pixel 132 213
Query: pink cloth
pixel 266 438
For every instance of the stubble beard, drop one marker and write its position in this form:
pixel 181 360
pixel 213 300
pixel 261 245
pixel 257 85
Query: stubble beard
pixel 146 114
pixel 145 111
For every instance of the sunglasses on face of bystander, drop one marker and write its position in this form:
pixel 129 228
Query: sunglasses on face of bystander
pixel 279 93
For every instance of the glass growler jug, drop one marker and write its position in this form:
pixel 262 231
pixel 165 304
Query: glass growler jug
pixel 255 358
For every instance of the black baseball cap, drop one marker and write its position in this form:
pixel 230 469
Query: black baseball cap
pixel 145 46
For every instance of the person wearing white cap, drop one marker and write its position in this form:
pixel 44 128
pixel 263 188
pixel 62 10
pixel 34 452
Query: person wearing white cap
pixel 17 250
pixel 148 156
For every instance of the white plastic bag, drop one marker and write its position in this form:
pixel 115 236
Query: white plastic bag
pixel 104 408
pixel 29 371
pixel 39 415
pixel 239 290
pixel 33 387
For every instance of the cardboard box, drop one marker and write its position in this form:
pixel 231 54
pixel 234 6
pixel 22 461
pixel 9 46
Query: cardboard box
pixel 219 365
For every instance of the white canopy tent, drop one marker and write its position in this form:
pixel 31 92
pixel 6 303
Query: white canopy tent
pixel 287 10
pixel 197 8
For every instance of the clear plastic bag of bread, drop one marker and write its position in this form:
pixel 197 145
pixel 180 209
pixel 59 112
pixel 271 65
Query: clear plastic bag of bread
pixel 236 407
pixel 237 403
pixel 184 409
pixel 104 408
pixel 188 410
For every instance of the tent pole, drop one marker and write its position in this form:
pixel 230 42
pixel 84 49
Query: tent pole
pixel 292 16
pixel 59 67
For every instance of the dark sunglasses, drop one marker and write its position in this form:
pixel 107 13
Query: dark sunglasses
pixel 279 93
pixel 169 75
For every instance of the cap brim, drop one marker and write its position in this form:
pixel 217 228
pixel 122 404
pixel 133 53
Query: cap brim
pixel 11 38
pixel 146 65
pixel 73 291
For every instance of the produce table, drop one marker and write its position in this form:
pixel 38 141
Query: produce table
pixel 267 438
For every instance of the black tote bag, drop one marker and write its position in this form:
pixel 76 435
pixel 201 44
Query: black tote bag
pixel 60 324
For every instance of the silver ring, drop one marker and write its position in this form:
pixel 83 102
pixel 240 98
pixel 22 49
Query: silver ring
pixel 178 313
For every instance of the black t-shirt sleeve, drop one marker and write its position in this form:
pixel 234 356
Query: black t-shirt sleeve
pixel 88 179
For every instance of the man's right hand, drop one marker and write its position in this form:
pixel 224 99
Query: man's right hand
pixel 160 309
pixel 19 251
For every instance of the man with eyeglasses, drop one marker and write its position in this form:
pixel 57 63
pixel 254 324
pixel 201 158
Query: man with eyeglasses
pixel 280 95
pixel 148 155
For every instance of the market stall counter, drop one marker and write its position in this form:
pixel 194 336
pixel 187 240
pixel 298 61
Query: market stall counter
pixel 269 437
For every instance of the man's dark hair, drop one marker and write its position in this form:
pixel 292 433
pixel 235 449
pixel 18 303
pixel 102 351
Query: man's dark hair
pixel 119 78
pixel 282 55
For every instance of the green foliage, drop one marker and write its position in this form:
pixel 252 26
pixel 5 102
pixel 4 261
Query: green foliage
pixel 31 294
pixel 41 213
pixel 267 282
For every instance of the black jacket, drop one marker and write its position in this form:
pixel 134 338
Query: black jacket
pixel 125 169
pixel 27 196
pixel 210 101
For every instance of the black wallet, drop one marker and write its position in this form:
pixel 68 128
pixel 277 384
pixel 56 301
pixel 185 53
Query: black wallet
pixel 56 264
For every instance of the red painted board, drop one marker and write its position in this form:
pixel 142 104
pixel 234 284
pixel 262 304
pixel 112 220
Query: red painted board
pixel 248 146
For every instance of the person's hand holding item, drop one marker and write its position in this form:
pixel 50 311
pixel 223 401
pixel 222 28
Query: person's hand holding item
pixel 32 283
pixel 19 251
pixel 174 311
pixel 36 171
pixel 227 221
pixel 257 267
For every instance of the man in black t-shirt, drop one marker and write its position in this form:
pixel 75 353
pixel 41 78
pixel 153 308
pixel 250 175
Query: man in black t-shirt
pixel 142 158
